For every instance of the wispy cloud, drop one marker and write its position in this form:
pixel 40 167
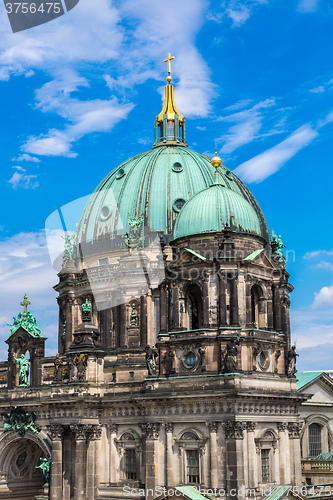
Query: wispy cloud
pixel 238 11
pixel 316 253
pixel 248 123
pixel 26 157
pixel 23 180
pixel 265 164
pixel 317 90
pixel 308 5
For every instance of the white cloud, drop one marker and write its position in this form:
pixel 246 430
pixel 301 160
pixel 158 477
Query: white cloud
pixel 24 181
pixel 26 157
pixel 25 268
pixel 318 90
pixel 324 265
pixel 308 5
pixel 247 126
pixel 238 11
pixel 265 164
pixel 323 298
pixel 317 253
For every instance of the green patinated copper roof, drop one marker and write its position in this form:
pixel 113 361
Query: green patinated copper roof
pixel 303 378
pixel 214 208
pixel 328 457
pixel 254 254
pixel 149 184
pixel 276 492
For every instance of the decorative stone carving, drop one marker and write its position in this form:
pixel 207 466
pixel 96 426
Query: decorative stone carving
pixel 168 361
pixel 150 429
pixel 282 426
pixel 81 431
pixel 169 427
pixel 20 421
pixel 94 432
pixel 212 426
pixel 55 432
pixel 229 357
pixel 233 429
pixel 250 426
pixel 291 361
pixel 294 429
pixel 277 355
pixel 80 361
pixel 113 428
pixel 151 356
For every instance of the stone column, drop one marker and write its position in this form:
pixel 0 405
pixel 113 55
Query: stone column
pixel 163 309
pixel 213 426
pixel 143 321
pixel 205 301
pixel 169 455
pixel 277 309
pixel 67 465
pixel 175 308
pixel 252 456
pixel 234 456
pixel 295 453
pixel 93 461
pixel 122 325
pixel 270 322
pixel 113 428
pixel 109 340
pixel 248 286
pixel 70 304
pixel 151 432
pixel 56 434
pixel 234 316
pixel 284 453
pixel 222 300
pixel 80 435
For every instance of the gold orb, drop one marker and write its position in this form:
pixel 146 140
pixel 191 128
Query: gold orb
pixel 169 78
pixel 216 161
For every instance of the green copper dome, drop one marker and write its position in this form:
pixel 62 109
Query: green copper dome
pixel 155 185
pixel 215 207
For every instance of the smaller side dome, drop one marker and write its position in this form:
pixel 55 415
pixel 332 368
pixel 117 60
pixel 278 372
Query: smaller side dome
pixel 210 210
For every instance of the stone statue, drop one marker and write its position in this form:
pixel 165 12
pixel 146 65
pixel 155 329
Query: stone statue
pixel 69 247
pixel 134 317
pixel 45 466
pixel 20 421
pixel 23 363
pixel 280 246
pixel 229 357
pixel 86 311
pixel 291 361
pixel 58 369
pixel 80 361
pixel 135 238
pixel 151 355
pixel 169 361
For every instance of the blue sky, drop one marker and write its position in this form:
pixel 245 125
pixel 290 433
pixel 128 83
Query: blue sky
pixel 79 96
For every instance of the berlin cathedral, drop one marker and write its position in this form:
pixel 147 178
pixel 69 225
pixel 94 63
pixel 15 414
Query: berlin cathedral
pixel 175 367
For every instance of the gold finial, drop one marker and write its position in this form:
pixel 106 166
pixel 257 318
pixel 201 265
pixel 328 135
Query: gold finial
pixel 216 163
pixel 168 60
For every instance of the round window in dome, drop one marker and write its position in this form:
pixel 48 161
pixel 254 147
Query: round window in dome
pixel 264 360
pixel 229 175
pixel 190 359
pixel 105 213
pixel 177 167
pixel 178 205
pixel 121 173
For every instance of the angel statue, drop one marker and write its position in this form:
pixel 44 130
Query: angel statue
pixel 45 466
pixel 280 246
pixel 69 247
pixel 23 363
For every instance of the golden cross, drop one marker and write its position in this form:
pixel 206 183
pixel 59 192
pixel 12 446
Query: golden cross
pixel 25 303
pixel 168 60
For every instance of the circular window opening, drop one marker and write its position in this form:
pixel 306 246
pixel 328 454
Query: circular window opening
pixel 178 205
pixel 176 167
pixel 229 175
pixel 190 359
pixel 264 360
pixel 121 173
pixel 105 213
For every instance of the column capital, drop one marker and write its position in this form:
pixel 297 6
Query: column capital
pixel 80 431
pixel 169 427
pixel 234 430
pixel 113 428
pixel 212 426
pixel 282 426
pixel 94 433
pixel 250 426
pixel 294 430
pixel 150 429
pixel 55 432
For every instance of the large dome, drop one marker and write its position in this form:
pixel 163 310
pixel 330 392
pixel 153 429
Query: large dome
pixel 213 209
pixel 155 184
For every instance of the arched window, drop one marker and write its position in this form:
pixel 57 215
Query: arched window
pixel 191 444
pixel 314 440
pixel 129 445
pixel 192 313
